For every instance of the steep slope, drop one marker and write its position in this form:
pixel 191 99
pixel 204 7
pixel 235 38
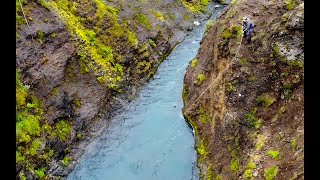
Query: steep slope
pixel 78 63
pixel 246 101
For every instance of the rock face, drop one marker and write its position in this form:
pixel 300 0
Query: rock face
pixel 78 63
pixel 246 101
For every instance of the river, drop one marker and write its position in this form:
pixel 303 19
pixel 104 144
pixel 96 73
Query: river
pixel 150 139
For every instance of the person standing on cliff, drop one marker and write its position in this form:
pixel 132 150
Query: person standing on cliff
pixel 247 27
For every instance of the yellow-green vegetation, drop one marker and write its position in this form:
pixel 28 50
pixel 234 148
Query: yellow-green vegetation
pixel 200 78
pixel 233 2
pixel 231 86
pixel 158 14
pixel 62 129
pixel 31 129
pixel 210 174
pixel 97 50
pixel 242 61
pixel 293 143
pixel 285 17
pixel 171 16
pixel 218 177
pixel 184 94
pixel 295 63
pixel 79 135
pixel 226 34
pixel 19 19
pixel 209 24
pixel 40 172
pixel 65 161
pixel 54 91
pixel 76 102
pixel 248 171
pixel 201 149
pixel 290 4
pixel 260 140
pixel 152 43
pixel 274 154
pixel 195 6
pixel 237 31
pixel 270 172
pixel 194 62
pixel 39 35
pixel 43 3
pixel 143 20
pixel 253 122
pixel 265 100
pixel 234 164
pixel 186 16
pixel 203 117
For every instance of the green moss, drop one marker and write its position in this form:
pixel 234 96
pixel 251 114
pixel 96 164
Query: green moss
pixel 19 157
pixel 237 31
pixel 295 63
pixel 234 164
pixel 76 102
pixel 270 172
pixel 152 43
pixel 274 154
pixel 226 34
pixel 209 24
pixel 293 143
pixel 21 91
pixel 210 174
pixel 231 86
pixel 242 61
pixel 250 165
pixel 203 117
pixel 195 6
pixel 158 15
pixel 194 62
pixel 40 172
pixel 233 2
pixel 43 3
pixel 285 17
pixel 186 16
pixel 62 129
pixel 96 49
pixel 260 140
pixel 65 161
pixel 201 150
pixel 32 150
pixel 265 100
pixel 200 78
pixel 184 94
pixel 253 122
pixel 171 16
pixel 19 19
pixel 290 4
pixel 218 177
pixel 248 174
pixel 79 135
pixel 143 20
pixel 54 91
pixel 40 35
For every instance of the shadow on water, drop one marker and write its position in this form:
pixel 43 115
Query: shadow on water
pixel 150 139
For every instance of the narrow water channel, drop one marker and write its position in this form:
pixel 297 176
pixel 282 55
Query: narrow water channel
pixel 150 140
